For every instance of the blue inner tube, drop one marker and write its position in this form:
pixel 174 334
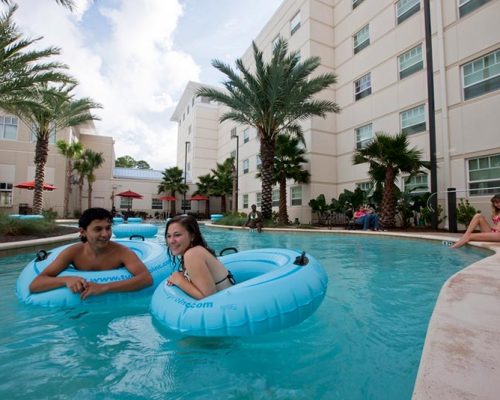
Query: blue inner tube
pixel 127 230
pixel 153 255
pixel 272 293
pixel 134 220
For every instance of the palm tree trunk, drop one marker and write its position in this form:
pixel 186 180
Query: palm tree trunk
pixel 207 208
pixel 41 153
pixel 388 201
pixel 89 199
pixel 80 194
pixel 67 189
pixel 267 169
pixel 172 205
pixel 223 203
pixel 283 214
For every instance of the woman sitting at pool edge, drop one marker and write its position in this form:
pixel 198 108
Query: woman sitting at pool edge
pixel 96 253
pixel 200 273
pixel 488 234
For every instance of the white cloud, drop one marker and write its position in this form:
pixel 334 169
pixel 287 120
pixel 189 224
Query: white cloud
pixel 132 71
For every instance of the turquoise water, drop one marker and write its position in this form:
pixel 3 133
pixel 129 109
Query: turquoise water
pixel 364 341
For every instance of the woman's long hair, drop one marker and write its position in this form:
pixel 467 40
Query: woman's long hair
pixel 496 210
pixel 191 225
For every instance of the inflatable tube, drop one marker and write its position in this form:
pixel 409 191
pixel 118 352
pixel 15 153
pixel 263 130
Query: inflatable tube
pixel 134 220
pixel 153 255
pixel 127 230
pixel 273 292
pixel 117 220
pixel 215 217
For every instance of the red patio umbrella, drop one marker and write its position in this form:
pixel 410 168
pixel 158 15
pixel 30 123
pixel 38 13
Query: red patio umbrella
pixel 130 195
pixel 168 198
pixel 30 185
pixel 198 197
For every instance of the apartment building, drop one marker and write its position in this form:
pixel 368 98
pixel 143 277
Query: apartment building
pixel 377 50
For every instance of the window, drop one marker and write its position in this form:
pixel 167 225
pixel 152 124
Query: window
pixel 185 205
pixel 233 133
pixel 295 23
pixel 361 39
pixel 406 8
pixel 296 195
pixel 411 62
pixel 233 154
pixel 8 127
pixel 413 120
pixel 246 135
pixel 365 186
pixel 364 135
pixel 467 6
pixel 258 161
pixel 363 87
pixel 125 202
pixel 245 201
pixel 258 199
pixel 5 194
pixel 356 3
pixel 484 175
pixel 192 102
pixel 276 198
pixel 416 184
pixel 246 166
pixel 187 111
pixel 482 76
pixel 189 130
pixel 156 204
pixel 52 134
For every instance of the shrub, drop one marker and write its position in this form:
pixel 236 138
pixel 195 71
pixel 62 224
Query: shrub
pixel 465 212
pixel 17 227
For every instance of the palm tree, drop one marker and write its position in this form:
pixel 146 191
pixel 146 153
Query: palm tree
pixel 57 110
pixel 92 160
pixel 71 152
pixel 172 182
pixel 273 100
pixel 207 186
pixel 223 175
pixel 388 156
pixel 288 161
pixel 22 69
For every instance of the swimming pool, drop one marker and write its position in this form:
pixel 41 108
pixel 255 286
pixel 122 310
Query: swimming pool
pixel 364 341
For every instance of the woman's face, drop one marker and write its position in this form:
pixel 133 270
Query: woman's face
pixel 496 203
pixel 178 239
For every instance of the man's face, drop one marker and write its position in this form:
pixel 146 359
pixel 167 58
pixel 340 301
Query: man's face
pixel 98 233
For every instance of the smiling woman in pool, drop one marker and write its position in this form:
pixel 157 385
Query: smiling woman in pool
pixel 200 272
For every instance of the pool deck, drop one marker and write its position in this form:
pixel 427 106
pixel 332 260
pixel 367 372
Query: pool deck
pixel 461 354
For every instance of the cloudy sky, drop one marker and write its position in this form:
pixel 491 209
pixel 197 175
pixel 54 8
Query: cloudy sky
pixel 135 58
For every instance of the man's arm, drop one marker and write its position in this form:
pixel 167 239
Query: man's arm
pixel 49 279
pixel 141 277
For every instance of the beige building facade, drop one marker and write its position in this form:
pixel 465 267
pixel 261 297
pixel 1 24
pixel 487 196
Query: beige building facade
pixel 377 50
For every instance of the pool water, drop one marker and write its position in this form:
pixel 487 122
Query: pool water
pixel 363 342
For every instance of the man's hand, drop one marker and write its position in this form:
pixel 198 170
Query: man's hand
pixel 76 284
pixel 92 289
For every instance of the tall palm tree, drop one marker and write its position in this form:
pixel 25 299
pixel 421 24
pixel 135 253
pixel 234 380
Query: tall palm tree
pixel 388 156
pixel 223 174
pixel 22 68
pixel 288 161
pixel 273 100
pixel 58 110
pixel 172 182
pixel 92 160
pixel 207 185
pixel 71 152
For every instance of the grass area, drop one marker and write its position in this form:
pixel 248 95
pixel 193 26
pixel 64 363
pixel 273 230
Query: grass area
pixel 24 227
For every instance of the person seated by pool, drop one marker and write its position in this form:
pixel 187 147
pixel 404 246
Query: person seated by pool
pixel 367 217
pixel 96 253
pixel 200 273
pixel 254 220
pixel 488 233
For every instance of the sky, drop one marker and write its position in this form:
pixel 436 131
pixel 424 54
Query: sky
pixel 136 57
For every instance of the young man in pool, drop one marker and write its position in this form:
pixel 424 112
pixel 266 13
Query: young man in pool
pixel 96 253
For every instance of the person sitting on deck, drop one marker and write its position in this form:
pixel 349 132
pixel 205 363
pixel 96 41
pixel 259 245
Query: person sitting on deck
pixel 254 220
pixel 488 233
pixel 367 217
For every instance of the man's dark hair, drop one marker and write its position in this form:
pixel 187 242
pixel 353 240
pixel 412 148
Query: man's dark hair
pixel 91 214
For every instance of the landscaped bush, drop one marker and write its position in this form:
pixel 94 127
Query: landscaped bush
pixel 465 212
pixel 17 227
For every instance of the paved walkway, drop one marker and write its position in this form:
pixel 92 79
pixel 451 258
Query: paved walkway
pixel 461 355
